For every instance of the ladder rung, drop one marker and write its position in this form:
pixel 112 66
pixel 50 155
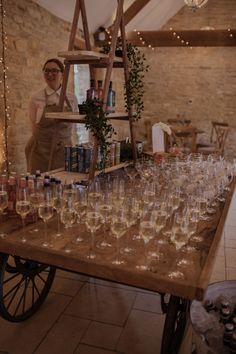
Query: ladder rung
pixel 79 118
pixel 87 56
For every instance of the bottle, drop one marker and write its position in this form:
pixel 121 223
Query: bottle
pixel 233 343
pixel 100 92
pixel 229 329
pixel 91 93
pixel 12 195
pixel 111 99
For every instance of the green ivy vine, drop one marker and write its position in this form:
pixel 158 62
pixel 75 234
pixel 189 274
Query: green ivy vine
pixel 134 88
pixel 97 122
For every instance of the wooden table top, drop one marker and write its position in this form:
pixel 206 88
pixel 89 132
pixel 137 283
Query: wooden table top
pixel 196 278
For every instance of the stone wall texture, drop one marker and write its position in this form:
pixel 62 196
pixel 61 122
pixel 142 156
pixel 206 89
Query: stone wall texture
pixel 198 83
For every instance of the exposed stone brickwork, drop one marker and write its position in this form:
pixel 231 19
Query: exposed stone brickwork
pixel 199 83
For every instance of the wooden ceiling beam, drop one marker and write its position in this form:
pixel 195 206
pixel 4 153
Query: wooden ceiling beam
pixel 134 9
pixel 195 38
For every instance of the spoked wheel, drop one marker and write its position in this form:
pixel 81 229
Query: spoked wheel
pixel 24 285
pixel 175 323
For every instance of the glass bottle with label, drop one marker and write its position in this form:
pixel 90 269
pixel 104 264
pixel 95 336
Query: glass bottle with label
pixel 92 92
pixel 111 99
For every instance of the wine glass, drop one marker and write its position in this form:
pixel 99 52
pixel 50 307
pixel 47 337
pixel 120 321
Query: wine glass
pixel 94 192
pixel 118 228
pixel 80 207
pixel 68 218
pixel 58 203
pixel 36 197
pixel 3 205
pixel 23 208
pixel 93 222
pixel 45 211
pixel 147 232
pixel 105 209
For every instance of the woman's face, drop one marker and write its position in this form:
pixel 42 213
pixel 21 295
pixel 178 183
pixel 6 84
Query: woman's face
pixel 52 75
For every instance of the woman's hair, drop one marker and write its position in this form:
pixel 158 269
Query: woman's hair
pixel 57 61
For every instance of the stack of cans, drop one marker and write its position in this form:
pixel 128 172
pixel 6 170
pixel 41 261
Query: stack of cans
pixel 78 157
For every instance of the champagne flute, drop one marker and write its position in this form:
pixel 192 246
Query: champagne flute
pixel 3 205
pixel 58 202
pixel 147 232
pixel 68 218
pixel 80 207
pixel 23 208
pixel 105 211
pixel 46 212
pixel 36 197
pixel 118 228
pixel 93 222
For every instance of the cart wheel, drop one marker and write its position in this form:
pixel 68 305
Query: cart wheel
pixel 24 285
pixel 175 324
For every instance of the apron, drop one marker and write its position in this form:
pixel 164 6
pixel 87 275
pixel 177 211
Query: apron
pixel 45 149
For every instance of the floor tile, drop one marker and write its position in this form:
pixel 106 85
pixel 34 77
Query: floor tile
pixel 230 232
pixel 220 251
pixel 230 243
pixel 148 302
pixel 103 304
pixel 64 337
pixel 66 286
pixel 24 337
pixel 231 273
pixel 85 349
pixel 142 333
pixel 102 335
pixel 230 255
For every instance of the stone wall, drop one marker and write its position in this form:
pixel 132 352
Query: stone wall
pixel 34 35
pixel 198 84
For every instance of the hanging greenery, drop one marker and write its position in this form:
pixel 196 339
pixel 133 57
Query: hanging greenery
pixel 134 88
pixel 97 122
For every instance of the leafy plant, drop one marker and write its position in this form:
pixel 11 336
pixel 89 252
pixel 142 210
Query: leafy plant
pixel 97 122
pixel 134 88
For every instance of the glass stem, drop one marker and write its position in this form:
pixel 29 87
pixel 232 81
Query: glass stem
pixel 92 242
pixel 58 224
pixel 45 229
pixel 117 248
pixel 23 229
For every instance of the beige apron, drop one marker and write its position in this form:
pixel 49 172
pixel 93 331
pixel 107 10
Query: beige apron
pixel 45 149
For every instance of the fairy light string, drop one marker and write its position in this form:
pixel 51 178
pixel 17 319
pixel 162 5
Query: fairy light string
pixel 5 90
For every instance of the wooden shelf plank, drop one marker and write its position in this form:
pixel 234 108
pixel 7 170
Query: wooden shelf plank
pixel 79 118
pixel 67 177
pixel 86 56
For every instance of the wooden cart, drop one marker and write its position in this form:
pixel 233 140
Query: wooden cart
pixel 27 270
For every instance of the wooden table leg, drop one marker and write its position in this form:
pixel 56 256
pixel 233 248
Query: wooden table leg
pixel 175 323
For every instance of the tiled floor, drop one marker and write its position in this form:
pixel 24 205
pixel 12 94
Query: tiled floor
pixel 86 316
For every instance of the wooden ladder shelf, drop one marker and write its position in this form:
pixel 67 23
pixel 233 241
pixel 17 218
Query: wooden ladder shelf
pixel 95 60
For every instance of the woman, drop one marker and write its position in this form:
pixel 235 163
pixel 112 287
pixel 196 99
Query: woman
pixel 45 149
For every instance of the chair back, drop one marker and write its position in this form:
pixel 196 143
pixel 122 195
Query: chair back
pixel 214 127
pixel 182 122
pixel 221 132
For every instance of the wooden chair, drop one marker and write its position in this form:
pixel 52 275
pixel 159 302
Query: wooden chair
pixel 178 121
pixel 218 137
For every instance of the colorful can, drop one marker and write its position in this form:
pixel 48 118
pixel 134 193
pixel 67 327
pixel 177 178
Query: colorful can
pixel 117 152
pixel 67 158
pixel 87 158
pixel 112 154
pixel 80 157
pixel 73 159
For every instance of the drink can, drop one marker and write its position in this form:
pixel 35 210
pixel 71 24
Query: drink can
pixel 73 159
pixel 87 158
pixel 67 158
pixel 80 156
pixel 112 154
pixel 117 152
